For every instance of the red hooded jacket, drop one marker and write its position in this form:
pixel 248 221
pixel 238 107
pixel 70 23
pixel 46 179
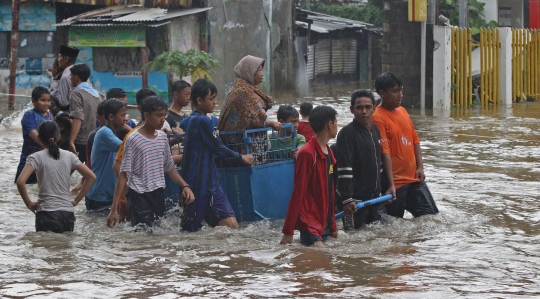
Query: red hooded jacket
pixel 308 207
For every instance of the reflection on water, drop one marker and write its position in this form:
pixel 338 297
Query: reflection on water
pixel 482 166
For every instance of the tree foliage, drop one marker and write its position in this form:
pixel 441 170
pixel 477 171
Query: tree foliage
pixel 370 13
pixel 196 64
pixel 450 9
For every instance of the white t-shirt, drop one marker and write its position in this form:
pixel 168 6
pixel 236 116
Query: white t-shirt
pixel 54 178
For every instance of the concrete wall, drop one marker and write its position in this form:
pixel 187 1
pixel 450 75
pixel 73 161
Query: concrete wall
pixel 261 28
pixel 184 33
pixel 491 10
pixel 401 50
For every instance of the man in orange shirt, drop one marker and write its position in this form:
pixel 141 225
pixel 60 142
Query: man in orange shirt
pixel 401 149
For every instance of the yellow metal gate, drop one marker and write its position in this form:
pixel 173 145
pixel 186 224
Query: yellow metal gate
pixel 461 67
pixel 525 64
pixel 490 66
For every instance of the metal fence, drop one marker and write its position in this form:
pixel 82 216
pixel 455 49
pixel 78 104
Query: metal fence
pixel 461 66
pixel 525 64
pixel 490 67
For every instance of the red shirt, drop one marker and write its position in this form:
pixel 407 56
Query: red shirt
pixel 305 130
pixel 308 207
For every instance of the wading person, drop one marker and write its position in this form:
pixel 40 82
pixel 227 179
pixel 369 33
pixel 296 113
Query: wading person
pixel 120 94
pixel 401 149
pixel 359 165
pixel 53 166
pixel 201 145
pixel 181 93
pixel 311 208
pixel 104 148
pixel 83 102
pixel 146 158
pixel 286 114
pixel 303 126
pixel 61 92
pixel 41 100
pixel 56 74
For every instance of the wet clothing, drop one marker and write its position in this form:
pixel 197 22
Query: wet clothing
pixel 102 159
pixel 54 178
pixel 123 210
pixel 89 146
pixel 145 161
pixel 30 121
pixel 201 145
pixel 131 123
pixel 211 208
pixel 83 106
pixel 95 205
pixel 359 172
pixel 398 138
pixel 146 208
pixel 245 107
pixel 415 198
pixel 55 221
pixel 330 190
pixel 62 91
pixel 304 128
pixel 174 119
pixel 308 239
pixel 309 203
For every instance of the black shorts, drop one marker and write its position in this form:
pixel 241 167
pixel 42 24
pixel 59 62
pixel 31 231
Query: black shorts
pixel 147 207
pixel 308 239
pixel 365 216
pixel 98 206
pixel 55 221
pixel 415 198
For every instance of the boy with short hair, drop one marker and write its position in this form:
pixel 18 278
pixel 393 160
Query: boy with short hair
pixel 181 93
pixel 100 117
pixel 83 102
pixel 401 150
pixel 120 94
pixel 201 144
pixel 303 127
pixel 311 207
pixel 41 100
pixel 286 114
pixel 146 157
pixel 104 148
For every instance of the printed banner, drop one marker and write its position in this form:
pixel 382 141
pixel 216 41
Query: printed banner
pixel 107 36
pixel 417 10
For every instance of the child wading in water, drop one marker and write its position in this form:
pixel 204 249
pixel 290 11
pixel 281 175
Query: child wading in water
pixel 311 209
pixel 41 99
pixel 146 158
pixel 53 166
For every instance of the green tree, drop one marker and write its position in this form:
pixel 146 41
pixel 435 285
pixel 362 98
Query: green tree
pixel 450 9
pixel 196 64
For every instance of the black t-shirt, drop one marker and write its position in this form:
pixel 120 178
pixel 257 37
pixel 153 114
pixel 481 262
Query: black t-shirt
pixel 330 177
pixel 174 119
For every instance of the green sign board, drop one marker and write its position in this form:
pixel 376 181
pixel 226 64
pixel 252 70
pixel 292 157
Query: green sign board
pixel 107 36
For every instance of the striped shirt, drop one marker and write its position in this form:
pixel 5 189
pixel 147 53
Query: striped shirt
pixel 145 161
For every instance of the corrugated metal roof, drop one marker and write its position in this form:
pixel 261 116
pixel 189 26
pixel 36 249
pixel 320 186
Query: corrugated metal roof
pixel 325 23
pixel 120 15
pixel 145 15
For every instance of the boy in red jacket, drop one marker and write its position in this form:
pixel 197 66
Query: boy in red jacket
pixel 311 208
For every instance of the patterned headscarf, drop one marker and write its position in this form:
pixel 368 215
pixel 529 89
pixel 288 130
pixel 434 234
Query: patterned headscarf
pixel 247 67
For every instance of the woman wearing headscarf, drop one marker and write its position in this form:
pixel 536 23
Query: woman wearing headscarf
pixel 245 108
pixel 246 105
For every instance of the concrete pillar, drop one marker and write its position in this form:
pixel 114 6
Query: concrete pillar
pixel 506 66
pixel 442 56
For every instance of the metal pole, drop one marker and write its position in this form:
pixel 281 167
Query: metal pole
pixel 423 68
pixel 463 13
pixel 431 12
pixel 14 48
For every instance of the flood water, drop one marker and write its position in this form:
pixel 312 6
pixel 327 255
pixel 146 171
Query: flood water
pixel 482 167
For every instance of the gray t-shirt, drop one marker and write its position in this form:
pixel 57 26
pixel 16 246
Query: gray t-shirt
pixel 83 106
pixel 54 178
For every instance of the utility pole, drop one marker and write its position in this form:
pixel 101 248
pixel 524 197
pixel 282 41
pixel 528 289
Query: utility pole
pixel 14 48
pixel 464 13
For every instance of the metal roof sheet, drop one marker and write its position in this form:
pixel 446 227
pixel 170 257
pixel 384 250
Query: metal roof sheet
pixel 325 23
pixel 150 14
pixel 174 13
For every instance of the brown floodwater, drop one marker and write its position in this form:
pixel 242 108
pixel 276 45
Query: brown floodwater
pixel 482 166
